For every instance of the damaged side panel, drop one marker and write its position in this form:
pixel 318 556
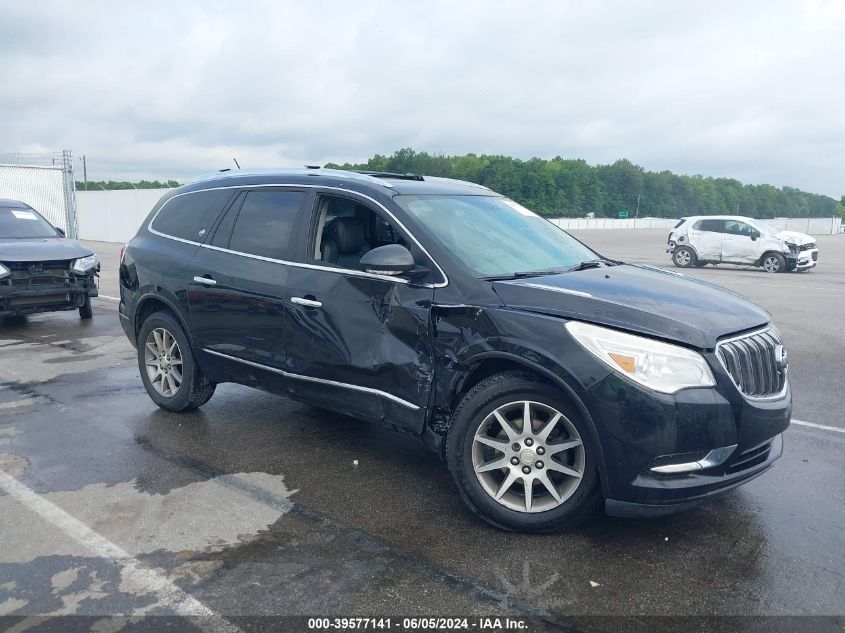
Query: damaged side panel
pixel 369 345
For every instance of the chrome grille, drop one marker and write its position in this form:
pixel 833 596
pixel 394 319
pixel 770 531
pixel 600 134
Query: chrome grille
pixel 752 363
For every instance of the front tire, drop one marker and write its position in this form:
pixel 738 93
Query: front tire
pixel 169 371
pixel 85 311
pixel 774 263
pixel 684 257
pixel 521 456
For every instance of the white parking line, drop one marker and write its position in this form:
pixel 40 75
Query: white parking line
pixel 138 578
pixel 14 404
pixel 813 425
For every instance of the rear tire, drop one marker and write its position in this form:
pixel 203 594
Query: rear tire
pixel 774 263
pixel 684 257
pixel 471 450
pixel 85 311
pixel 169 371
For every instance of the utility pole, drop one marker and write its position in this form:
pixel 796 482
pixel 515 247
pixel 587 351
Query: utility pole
pixel 636 215
pixel 85 172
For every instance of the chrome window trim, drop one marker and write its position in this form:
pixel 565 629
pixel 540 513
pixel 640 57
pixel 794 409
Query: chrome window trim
pixel 345 271
pixel 762 330
pixel 322 381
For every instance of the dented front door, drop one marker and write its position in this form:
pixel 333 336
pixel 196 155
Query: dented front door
pixel 360 344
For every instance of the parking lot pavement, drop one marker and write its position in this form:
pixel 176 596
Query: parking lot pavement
pixel 808 308
pixel 254 505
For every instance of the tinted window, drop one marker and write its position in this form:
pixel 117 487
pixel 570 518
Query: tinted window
pixel 265 223
pixel 224 229
pixel 714 226
pixel 191 215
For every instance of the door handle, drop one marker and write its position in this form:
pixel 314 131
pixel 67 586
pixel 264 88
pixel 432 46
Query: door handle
pixel 308 303
pixel 208 281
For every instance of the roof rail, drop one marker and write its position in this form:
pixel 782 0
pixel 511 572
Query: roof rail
pixel 388 174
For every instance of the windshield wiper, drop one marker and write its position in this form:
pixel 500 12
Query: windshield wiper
pixel 525 273
pixel 593 263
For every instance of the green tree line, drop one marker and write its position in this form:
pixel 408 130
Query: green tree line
pixel 563 187
pixel 110 185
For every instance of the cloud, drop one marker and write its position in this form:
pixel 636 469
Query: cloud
pixel 748 90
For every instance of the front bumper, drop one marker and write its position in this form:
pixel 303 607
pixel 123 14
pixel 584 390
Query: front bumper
pixel 30 298
pixel 642 430
pixel 805 260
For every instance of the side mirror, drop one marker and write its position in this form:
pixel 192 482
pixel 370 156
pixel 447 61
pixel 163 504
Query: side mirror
pixel 61 232
pixel 754 236
pixel 391 259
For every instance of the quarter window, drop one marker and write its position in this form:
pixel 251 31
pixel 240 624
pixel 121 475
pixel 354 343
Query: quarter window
pixel 265 223
pixel 190 216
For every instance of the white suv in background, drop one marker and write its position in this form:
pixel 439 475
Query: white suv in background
pixel 729 239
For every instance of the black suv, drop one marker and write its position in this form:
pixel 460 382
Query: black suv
pixel 547 376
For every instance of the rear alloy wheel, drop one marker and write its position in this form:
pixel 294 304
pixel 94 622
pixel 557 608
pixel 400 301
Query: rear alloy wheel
pixel 683 257
pixel 774 263
pixel 163 360
pixel 521 456
pixel 168 369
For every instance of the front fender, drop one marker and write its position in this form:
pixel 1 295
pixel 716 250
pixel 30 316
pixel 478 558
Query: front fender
pixel 467 336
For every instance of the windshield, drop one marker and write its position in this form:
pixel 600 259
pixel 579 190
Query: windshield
pixel 22 223
pixel 495 236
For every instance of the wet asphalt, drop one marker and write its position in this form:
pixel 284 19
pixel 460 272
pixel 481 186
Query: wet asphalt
pixel 258 505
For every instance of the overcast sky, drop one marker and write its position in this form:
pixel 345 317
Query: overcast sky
pixel 751 90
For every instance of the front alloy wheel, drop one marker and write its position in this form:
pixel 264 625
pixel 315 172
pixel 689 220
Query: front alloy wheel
pixel 528 456
pixel 774 263
pixel 522 456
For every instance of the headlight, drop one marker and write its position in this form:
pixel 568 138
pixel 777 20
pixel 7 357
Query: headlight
pixel 84 264
pixel 4 272
pixel 660 366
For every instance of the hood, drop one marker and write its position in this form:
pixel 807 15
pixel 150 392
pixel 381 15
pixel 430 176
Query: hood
pixel 41 249
pixel 649 301
pixel 795 237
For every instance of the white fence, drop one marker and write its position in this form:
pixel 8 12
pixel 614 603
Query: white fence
pixel 114 216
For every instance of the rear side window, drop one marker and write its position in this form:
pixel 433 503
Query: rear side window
pixel 265 223
pixel 714 226
pixel 190 216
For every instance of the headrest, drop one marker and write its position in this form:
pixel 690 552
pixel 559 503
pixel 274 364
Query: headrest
pixel 347 233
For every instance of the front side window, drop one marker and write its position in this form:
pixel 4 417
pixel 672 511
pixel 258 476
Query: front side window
pixel 23 223
pixel 265 223
pixel 735 227
pixel 494 236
